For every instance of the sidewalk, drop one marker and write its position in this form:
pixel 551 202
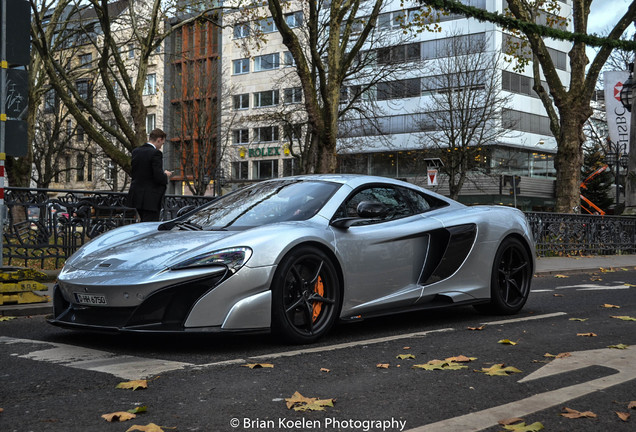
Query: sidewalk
pixel 545 266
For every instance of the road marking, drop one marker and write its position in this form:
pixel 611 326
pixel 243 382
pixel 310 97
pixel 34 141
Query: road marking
pixel 604 288
pixel 528 318
pixel 122 366
pixel 620 360
pixel 540 291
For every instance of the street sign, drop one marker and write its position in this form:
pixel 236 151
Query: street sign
pixel 17 94
pixel 18 26
pixel 15 135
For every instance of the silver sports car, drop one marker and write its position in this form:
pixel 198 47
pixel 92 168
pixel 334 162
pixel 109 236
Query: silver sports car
pixel 295 255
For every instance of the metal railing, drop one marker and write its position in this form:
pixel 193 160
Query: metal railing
pixel 46 226
pixel 558 234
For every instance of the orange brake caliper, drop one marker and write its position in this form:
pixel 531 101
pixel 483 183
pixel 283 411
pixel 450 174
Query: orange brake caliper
pixel 320 290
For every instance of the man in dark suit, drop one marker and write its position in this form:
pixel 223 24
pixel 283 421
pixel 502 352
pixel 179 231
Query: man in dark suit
pixel 149 179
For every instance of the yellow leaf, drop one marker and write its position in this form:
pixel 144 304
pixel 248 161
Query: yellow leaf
pixel 579 319
pixel 632 405
pixel 382 365
pixel 301 403
pixel 619 346
pixel 134 385
pixel 623 415
pixel 477 328
pixel 587 334
pixel 609 306
pixel 507 342
pixel 137 410
pixel 405 356
pixel 630 285
pixel 119 416
pixel 258 365
pixel 499 370
pixel 461 359
pixel 150 427
pixel 573 414
pixel 563 355
pixel 523 427
pixel 624 318
pixel 6 318
pixel 560 276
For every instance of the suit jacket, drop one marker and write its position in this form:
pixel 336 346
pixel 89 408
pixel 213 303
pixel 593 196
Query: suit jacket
pixel 149 181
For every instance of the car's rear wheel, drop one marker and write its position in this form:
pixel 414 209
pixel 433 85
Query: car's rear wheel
pixel 510 280
pixel 305 296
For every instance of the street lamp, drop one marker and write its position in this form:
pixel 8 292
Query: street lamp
pixel 627 99
pixel 615 156
pixel 627 92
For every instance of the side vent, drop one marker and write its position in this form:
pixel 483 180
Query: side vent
pixel 448 248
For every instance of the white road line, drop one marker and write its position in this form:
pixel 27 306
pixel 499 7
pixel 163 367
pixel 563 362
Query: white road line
pixel 529 318
pixel 126 367
pixel 604 288
pixel 350 344
pixel 540 291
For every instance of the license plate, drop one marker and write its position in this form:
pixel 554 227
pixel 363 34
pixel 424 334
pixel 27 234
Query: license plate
pixel 91 299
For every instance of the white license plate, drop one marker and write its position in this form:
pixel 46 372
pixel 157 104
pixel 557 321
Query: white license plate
pixel 91 299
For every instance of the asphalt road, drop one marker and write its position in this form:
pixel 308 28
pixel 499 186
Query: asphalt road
pixel 53 379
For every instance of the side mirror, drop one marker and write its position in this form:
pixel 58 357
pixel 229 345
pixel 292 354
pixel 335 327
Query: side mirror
pixel 372 210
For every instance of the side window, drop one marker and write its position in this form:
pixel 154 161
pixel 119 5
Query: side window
pixel 387 195
pixel 417 201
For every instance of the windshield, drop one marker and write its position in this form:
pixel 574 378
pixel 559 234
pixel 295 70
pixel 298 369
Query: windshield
pixel 265 203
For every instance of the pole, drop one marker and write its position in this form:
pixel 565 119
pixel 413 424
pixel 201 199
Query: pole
pixel 3 118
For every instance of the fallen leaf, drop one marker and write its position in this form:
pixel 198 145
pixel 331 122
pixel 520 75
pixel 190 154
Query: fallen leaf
pixel 499 370
pixel 477 328
pixel 623 415
pixel 406 348
pixel 258 365
pixel 522 427
pixel 510 421
pixel 596 279
pixel 579 319
pixel 608 306
pixel 405 356
pixel 560 276
pixel 561 355
pixel 325 370
pixel 1 410
pixel 137 410
pixel 134 385
pixel 624 318
pixel 119 416
pixel 607 270
pixel 632 405
pixel 382 365
pixel 624 269
pixel 574 414
pixel 558 295
pixel 507 342
pixel 587 334
pixel 630 285
pixel 461 359
pixel 440 365
pixel 150 427
pixel 619 346
pixel 7 318
pixel 301 403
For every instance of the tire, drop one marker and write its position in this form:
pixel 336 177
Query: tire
pixel 305 296
pixel 510 280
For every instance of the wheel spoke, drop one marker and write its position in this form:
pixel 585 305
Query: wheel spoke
pixel 296 304
pixel 314 280
pixel 517 269
pixel 315 297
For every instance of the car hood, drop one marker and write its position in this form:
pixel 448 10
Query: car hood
pixel 150 250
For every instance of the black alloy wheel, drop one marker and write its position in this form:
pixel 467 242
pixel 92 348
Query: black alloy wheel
pixel 510 280
pixel 306 296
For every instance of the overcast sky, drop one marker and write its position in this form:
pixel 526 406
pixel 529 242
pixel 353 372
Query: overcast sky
pixel 604 14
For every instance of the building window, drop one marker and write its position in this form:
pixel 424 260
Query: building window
pixel 84 90
pixel 240 66
pixel 239 170
pixel 290 167
pixel 266 98
pixel 80 167
pixel 266 134
pixel 151 122
pixel 242 101
pixel 69 128
pixel 265 169
pixel 79 134
pixel 266 62
pixel 131 51
pixel 85 60
pixel 150 86
pixel 288 59
pixel 240 136
pixel 294 19
pixel 293 95
pixel 526 122
pixel 399 54
pixel 399 89
pixel 266 25
pixel 50 101
pixel 292 131
pixel 241 30
pixel 89 168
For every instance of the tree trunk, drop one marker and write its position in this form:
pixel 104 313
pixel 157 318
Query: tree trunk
pixel 568 162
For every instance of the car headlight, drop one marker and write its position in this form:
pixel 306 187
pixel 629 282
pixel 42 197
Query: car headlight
pixel 233 259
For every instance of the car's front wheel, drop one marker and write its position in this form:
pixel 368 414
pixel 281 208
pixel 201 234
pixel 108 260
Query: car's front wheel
pixel 510 280
pixel 305 296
